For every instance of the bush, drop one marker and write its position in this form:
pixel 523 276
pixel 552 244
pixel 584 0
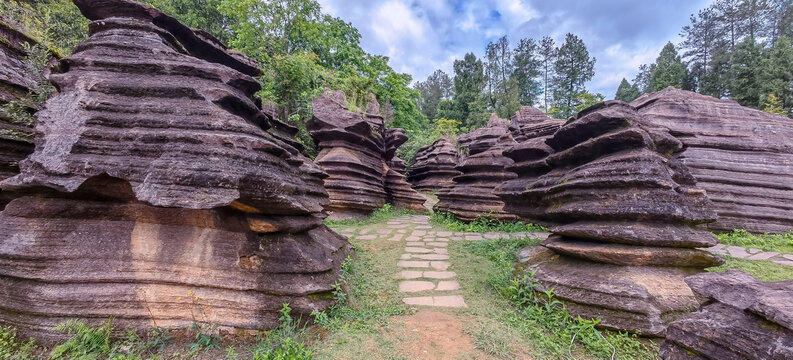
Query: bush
pixel 483 224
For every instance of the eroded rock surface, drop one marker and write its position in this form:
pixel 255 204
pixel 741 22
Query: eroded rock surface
pixel 16 80
pixel 622 211
pixel 742 157
pixel 355 150
pixel 156 196
pixel 472 194
pixel 434 165
pixel 743 318
pixel 529 123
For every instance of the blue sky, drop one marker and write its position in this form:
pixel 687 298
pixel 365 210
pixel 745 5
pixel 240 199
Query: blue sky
pixel 420 36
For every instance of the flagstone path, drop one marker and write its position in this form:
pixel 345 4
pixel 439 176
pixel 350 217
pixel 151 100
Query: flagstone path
pixel 752 254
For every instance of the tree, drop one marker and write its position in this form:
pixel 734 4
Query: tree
pixel 527 70
pixel 776 73
pixel 469 81
pixel 547 52
pixel 642 79
pixel 701 38
pixel 669 70
pixel 626 92
pixel 573 69
pixel 773 105
pixel 745 86
pixel 436 88
pixel 587 99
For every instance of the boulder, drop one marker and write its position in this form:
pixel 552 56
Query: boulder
pixel 623 213
pixel 743 318
pixel 472 193
pixel 434 165
pixel 355 150
pixel 156 196
pixel 529 123
pixel 742 157
pixel 16 80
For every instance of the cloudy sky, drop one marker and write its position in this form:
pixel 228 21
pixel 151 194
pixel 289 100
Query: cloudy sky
pixel 420 36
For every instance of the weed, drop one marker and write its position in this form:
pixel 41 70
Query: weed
pixel 385 213
pixel 86 342
pixel 206 338
pixel 482 224
pixel 782 243
pixel 12 348
pixel 159 338
pixel 762 269
pixel 284 342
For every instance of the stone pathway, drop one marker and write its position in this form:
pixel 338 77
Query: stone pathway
pixel 752 254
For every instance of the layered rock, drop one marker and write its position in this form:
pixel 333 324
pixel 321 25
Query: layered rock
pixel 624 210
pixel 16 80
pixel 743 318
pixel 355 150
pixel 156 197
pixel 472 194
pixel 529 123
pixel 741 156
pixel 434 166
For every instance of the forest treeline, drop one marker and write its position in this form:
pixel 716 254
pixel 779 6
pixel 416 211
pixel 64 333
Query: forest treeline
pixel 732 49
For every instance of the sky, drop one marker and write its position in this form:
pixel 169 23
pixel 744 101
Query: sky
pixel 420 36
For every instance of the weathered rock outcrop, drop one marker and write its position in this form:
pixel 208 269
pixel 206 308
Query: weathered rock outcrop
pixel 741 156
pixel 434 165
pixel 156 197
pixel 624 210
pixel 16 79
pixel 529 123
pixel 355 149
pixel 472 193
pixel 743 318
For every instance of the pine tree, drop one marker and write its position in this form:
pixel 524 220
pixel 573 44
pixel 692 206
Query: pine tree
pixel 547 53
pixel 776 73
pixel 701 38
pixel 573 69
pixel 469 81
pixel 774 106
pixel 437 87
pixel 626 92
pixel 745 86
pixel 642 79
pixel 669 70
pixel 527 70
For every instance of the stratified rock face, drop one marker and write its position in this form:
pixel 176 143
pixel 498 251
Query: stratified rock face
pixel 156 197
pixel 434 166
pixel 624 211
pixel 16 137
pixel 743 318
pixel 472 194
pixel 742 157
pixel 355 151
pixel 529 123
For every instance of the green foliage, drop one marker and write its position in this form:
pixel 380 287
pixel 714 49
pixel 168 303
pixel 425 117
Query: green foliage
pixel 159 338
pixel 283 343
pixel 482 224
pixel 383 214
pixel 438 87
pixel 573 69
pixel 86 342
pixel 587 99
pixel 21 111
pixel 55 24
pixel 205 337
pixel 773 105
pixel 669 70
pixel 469 82
pixel 626 92
pixel 761 269
pixel 12 348
pixel 745 86
pixel 782 243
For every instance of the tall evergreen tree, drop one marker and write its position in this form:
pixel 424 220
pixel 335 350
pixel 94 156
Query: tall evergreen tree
pixel 547 52
pixel 626 92
pixel 699 41
pixel 527 70
pixel 469 81
pixel 642 79
pixel 776 73
pixel 745 86
pixel 573 69
pixel 437 87
pixel 669 70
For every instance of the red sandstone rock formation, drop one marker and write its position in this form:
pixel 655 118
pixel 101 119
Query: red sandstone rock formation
pixel 16 79
pixel 355 151
pixel 472 194
pixel 529 123
pixel 742 157
pixel 743 318
pixel 156 197
pixel 434 165
pixel 624 210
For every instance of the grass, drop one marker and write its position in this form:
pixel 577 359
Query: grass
pixel 385 213
pixel 482 224
pixel 782 243
pixel 512 310
pixel 761 269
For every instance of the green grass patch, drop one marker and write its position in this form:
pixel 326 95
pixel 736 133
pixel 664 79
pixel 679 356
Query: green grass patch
pixel 762 269
pixel 539 319
pixel 483 224
pixel 782 243
pixel 384 214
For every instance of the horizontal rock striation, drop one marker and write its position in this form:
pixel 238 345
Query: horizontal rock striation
pixel 743 318
pixel 472 194
pixel 742 157
pixel 156 196
pixel 355 151
pixel 623 212
pixel 529 123
pixel 16 80
pixel 434 165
